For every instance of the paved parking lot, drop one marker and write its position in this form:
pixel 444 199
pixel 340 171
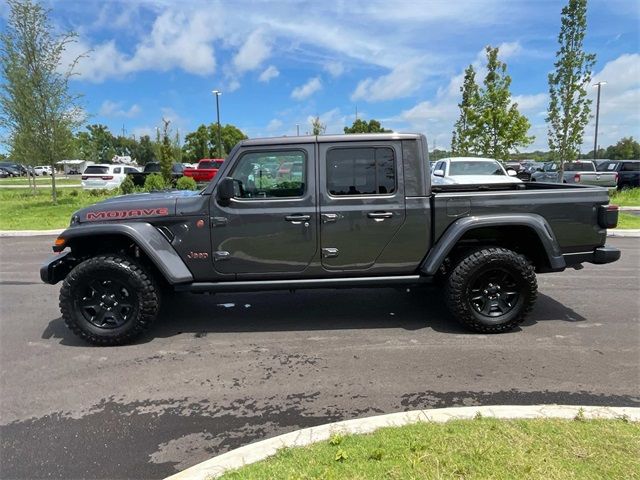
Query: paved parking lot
pixel 222 371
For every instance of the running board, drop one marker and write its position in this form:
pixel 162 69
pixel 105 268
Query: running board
pixel 260 285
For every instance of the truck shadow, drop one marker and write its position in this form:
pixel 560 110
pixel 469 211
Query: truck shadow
pixel 417 309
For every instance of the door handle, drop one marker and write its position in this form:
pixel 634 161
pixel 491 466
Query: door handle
pixel 380 215
pixel 297 218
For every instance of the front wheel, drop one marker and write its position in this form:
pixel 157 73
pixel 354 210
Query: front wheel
pixel 109 300
pixel 491 290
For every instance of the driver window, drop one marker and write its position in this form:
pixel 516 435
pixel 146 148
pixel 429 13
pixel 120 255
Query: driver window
pixel 270 174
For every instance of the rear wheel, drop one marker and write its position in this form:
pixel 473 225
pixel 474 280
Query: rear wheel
pixel 491 290
pixel 109 300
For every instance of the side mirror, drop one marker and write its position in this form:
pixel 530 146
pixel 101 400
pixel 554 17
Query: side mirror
pixel 225 191
pixel 511 172
pixel 438 173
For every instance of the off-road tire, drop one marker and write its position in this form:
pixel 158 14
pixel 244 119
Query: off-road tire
pixel 478 265
pixel 126 272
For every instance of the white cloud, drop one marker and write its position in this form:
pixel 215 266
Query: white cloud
pixel 269 73
pixel 334 68
pixel 333 119
pixel 253 52
pixel 532 104
pixel 274 125
pixel 401 82
pixel 115 109
pixel 304 91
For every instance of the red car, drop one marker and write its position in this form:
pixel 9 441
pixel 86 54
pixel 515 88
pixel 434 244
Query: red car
pixel 206 170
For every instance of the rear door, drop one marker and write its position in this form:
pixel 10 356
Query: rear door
pixel 362 202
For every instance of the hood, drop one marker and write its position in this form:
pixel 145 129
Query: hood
pixel 132 207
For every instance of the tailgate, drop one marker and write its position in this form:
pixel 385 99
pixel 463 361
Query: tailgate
pixel 600 179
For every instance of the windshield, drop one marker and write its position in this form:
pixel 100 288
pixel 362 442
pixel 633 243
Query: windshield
pixel 579 167
pixel 476 167
pixel 95 170
pixel 607 166
pixel 152 167
pixel 209 164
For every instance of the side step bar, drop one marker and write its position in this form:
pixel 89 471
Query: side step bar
pixel 260 285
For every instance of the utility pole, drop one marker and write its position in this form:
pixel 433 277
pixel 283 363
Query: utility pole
pixel 595 140
pixel 217 93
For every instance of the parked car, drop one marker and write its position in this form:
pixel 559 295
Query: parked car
pixel 105 176
pixel 363 215
pixel 207 169
pixel 581 171
pixel 470 170
pixel 42 170
pixel 628 172
pixel 139 177
pixel 4 173
pixel 13 168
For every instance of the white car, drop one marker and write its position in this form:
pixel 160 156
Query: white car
pixel 105 176
pixel 42 170
pixel 470 170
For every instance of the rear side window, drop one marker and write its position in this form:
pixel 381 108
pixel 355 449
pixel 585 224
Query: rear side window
pixel 117 170
pixel 631 166
pixel 607 167
pixel 95 170
pixel 361 171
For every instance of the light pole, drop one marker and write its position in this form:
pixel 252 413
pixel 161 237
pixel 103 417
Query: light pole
pixel 595 141
pixel 217 93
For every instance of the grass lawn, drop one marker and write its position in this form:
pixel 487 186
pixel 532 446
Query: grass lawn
pixel 628 220
pixel 40 181
pixel 21 210
pixel 469 449
pixel 629 197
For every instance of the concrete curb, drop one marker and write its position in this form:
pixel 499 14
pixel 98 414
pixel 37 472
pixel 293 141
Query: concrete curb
pixel 255 452
pixel 629 209
pixel 29 233
pixel 619 232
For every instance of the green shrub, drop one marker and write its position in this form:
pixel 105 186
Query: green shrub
pixel 127 187
pixel 154 182
pixel 98 192
pixel 186 183
pixel 73 193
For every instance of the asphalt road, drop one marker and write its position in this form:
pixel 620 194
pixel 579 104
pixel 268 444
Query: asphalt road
pixel 221 371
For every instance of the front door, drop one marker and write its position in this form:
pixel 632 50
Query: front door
pixel 361 202
pixel 271 224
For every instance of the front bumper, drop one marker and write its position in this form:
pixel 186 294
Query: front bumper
pixel 600 255
pixel 56 268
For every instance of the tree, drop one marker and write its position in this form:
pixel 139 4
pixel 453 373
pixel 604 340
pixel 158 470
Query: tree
pixel 500 126
pixel 145 150
pixel 230 135
pixel 361 126
pixel 197 145
pixel 569 107
pixel 37 110
pixel 166 153
pixel 317 127
pixel 464 132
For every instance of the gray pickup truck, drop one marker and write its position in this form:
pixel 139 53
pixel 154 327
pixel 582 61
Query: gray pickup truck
pixel 582 172
pixel 360 213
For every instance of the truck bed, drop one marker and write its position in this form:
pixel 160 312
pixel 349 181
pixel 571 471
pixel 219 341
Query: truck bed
pixel 571 210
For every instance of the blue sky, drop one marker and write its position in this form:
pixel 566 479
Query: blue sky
pixel 280 63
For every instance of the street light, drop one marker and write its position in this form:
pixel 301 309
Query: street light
pixel 217 93
pixel 595 141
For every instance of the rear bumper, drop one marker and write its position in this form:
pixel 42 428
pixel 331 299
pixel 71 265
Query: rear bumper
pixel 599 256
pixel 56 268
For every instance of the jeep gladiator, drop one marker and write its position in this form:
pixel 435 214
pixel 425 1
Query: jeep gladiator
pixel 360 213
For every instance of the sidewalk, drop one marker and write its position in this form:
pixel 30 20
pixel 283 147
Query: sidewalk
pixel 255 452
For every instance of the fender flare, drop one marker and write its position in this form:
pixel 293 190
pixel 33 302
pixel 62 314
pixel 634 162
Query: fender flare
pixel 457 229
pixel 147 238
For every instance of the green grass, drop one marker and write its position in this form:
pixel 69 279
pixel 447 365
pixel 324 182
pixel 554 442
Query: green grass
pixel 629 197
pixel 469 449
pixel 40 181
pixel 628 220
pixel 21 210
